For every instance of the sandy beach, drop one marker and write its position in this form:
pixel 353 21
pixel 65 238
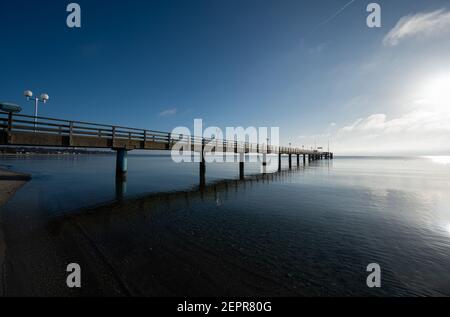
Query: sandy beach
pixel 10 183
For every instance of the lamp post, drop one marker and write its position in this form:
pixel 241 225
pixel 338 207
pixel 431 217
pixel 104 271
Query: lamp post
pixel 42 98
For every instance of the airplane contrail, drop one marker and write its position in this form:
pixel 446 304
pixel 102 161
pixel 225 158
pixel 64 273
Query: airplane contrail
pixel 336 13
pixel 329 19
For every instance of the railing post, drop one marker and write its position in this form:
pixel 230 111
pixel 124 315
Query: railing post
pixel 145 137
pixel 71 129
pixel 113 134
pixel 70 132
pixel 169 139
pixel 10 122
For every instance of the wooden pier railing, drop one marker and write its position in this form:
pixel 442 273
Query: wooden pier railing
pixel 30 130
pixel 24 130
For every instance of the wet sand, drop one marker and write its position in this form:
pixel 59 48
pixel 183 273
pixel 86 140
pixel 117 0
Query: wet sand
pixel 10 183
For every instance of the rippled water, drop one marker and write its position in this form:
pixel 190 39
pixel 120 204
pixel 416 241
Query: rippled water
pixel 310 231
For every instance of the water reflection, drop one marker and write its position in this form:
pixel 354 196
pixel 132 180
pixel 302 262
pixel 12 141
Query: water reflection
pixel 121 188
pixel 216 188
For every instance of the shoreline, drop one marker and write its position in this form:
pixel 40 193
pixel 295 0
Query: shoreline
pixel 10 183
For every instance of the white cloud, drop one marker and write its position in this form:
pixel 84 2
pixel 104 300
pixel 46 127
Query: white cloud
pixel 419 25
pixel 168 112
pixel 419 131
pixel 416 121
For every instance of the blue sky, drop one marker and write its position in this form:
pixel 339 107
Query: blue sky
pixel 160 64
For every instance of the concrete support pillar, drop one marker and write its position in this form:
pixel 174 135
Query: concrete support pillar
pixel 202 168
pixel 241 166
pixel 121 163
pixel 290 161
pixel 202 173
pixel 279 162
pixel 264 163
pixel 298 160
pixel 304 159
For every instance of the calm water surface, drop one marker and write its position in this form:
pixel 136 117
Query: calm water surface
pixel 310 231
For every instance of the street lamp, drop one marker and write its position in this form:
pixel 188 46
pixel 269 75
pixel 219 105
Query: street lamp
pixel 42 98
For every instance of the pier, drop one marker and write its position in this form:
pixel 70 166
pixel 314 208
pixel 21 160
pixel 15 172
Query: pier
pixel 25 130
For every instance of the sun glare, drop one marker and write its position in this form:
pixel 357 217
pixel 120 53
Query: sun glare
pixel 436 92
pixel 442 160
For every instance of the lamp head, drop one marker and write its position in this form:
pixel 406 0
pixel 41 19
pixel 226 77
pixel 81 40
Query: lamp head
pixel 28 93
pixel 44 98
